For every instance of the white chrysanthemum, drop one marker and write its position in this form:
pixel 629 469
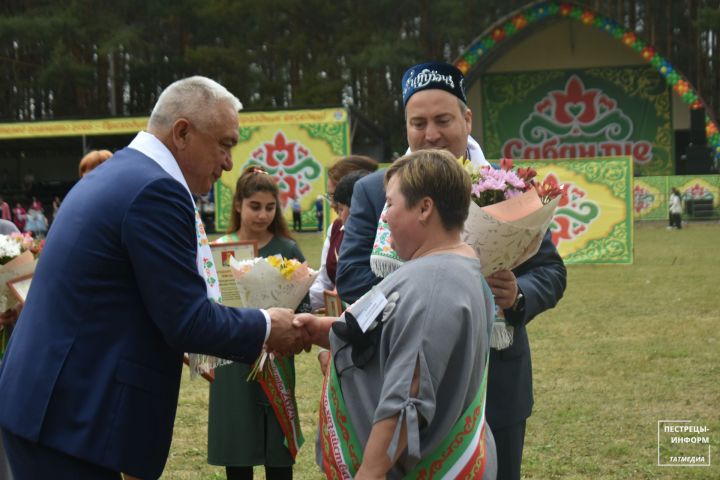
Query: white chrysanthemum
pixel 9 247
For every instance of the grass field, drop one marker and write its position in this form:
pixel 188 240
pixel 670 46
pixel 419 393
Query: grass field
pixel 626 347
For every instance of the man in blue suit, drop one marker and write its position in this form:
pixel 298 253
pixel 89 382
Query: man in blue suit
pixel 91 377
pixel 437 116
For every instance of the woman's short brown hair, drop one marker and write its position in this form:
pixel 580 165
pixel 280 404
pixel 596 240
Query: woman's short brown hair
pixel 438 175
pixel 349 164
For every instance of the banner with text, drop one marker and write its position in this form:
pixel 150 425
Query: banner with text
pixel 594 223
pixel 295 147
pixel 597 112
pixel 72 128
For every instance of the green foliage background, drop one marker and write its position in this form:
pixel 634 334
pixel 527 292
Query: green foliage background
pixel 98 58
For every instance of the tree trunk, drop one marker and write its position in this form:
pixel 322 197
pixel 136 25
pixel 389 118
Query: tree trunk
pixel 668 28
pixel 650 22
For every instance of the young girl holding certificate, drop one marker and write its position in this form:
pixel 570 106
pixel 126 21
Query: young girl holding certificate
pixel 243 429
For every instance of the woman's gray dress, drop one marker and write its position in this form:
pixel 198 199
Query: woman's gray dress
pixel 441 322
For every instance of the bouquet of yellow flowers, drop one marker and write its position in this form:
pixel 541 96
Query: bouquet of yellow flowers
pixel 269 282
pixel 272 282
pixel 275 282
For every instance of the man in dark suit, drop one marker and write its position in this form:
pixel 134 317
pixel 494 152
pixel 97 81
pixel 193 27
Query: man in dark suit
pixel 437 116
pixel 91 377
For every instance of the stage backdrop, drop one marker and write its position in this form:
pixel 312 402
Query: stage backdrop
pixel 594 224
pixel 598 112
pixel 296 147
pixel 651 194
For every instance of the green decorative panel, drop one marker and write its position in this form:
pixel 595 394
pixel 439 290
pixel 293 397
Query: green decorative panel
pixel 592 113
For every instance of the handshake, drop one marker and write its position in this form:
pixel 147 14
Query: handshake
pixel 291 333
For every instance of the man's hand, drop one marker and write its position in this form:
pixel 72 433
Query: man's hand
pixel 504 287
pixel 284 338
pixel 317 328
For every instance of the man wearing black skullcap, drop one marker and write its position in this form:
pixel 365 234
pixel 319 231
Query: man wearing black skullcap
pixel 437 116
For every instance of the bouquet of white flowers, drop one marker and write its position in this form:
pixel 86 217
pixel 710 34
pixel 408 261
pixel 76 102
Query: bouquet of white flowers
pixel 18 254
pixel 272 282
pixel 275 282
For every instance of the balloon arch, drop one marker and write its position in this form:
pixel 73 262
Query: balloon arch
pixel 486 46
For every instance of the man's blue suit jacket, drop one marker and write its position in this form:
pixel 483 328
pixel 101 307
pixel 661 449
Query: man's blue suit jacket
pixel 542 280
pixel 93 366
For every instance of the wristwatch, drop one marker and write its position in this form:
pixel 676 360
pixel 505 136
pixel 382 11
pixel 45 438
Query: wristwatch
pixel 519 304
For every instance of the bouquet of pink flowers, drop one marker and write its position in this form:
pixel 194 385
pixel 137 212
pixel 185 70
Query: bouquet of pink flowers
pixel 509 214
pixel 508 218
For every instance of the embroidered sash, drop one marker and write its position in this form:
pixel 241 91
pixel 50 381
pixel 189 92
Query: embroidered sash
pixel 460 455
pixel 150 146
pixel 201 363
pixel 383 258
pixel 278 383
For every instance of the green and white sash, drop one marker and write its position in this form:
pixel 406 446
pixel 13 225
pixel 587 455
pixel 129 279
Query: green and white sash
pixel 383 258
pixel 150 146
pixel 461 455
pixel 278 383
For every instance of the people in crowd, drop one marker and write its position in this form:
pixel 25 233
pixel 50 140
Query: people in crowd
pixel 404 379
pixel 437 117
pixel 36 223
pixel 296 213
pixel 342 201
pixel 36 204
pixel 5 210
pixel 331 246
pixel 675 209
pixel 19 216
pixel 55 206
pixel 343 193
pixel 243 430
pixel 91 160
pixel 319 208
pixel 91 377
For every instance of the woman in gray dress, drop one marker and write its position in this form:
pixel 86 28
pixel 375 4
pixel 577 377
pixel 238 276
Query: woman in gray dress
pixel 405 395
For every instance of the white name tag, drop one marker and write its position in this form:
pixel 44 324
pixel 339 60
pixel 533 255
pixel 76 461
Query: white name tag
pixel 368 307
